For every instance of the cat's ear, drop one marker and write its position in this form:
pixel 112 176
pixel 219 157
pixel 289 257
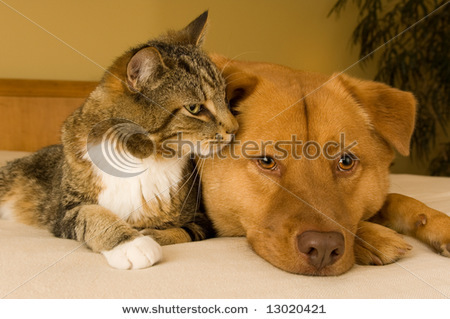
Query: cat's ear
pixel 194 33
pixel 391 111
pixel 142 66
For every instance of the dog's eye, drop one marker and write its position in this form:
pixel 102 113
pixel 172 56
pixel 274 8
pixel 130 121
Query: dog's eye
pixel 194 108
pixel 267 162
pixel 346 163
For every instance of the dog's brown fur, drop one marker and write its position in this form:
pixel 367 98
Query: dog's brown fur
pixel 272 208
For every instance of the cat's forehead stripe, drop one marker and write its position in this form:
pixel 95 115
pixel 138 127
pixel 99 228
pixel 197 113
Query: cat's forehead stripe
pixel 208 85
pixel 214 74
pixel 185 63
pixel 208 78
pixel 211 76
pixel 211 108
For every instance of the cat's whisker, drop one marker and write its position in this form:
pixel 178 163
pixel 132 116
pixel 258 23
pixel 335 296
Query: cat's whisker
pixel 198 201
pixel 189 192
pixel 167 200
pixel 234 58
pixel 191 174
pixel 192 186
pixel 237 79
pixel 232 74
pixel 187 180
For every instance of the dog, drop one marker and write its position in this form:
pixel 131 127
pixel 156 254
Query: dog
pixel 307 213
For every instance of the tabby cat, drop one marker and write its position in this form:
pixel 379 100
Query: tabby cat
pixel 149 95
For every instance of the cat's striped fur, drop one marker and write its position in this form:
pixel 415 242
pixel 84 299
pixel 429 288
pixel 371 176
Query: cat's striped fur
pixel 60 187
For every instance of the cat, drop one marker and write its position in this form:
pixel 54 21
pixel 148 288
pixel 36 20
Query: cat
pixel 110 177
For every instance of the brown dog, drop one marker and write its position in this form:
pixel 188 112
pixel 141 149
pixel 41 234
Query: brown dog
pixel 310 167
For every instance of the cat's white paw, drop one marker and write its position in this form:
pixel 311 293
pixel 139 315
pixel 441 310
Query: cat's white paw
pixel 141 252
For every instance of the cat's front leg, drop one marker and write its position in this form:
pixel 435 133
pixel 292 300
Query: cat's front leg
pixel 103 231
pixel 167 236
pixel 189 232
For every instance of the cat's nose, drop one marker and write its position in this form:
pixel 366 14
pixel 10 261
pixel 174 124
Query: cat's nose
pixel 233 127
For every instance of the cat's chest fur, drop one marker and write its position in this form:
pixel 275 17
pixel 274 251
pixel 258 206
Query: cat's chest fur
pixel 145 197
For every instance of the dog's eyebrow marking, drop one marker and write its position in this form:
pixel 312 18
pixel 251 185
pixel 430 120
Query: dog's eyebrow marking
pixel 305 110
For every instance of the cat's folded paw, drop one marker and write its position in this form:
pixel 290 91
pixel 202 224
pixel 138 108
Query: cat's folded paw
pixel 168 236
pixel 141 252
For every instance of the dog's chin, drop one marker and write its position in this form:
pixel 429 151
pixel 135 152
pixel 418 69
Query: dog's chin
pixel 333 270
pixel 291 260
pixel 300 266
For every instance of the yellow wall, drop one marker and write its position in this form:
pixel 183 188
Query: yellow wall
pixel 76 40
pixel 295 33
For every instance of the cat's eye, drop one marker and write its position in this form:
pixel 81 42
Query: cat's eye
pixel 194 108
pixel 267 163
pixel 346 163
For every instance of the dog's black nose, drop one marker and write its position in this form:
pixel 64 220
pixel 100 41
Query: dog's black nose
pixel 321 248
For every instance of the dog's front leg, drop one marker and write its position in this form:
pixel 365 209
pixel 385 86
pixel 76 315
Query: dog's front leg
pixel 409 216
pixel 378 245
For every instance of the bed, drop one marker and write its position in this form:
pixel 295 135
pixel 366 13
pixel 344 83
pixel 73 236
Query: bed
pixel 34 264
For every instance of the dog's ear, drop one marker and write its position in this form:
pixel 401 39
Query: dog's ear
pixel 391 111
pixel 240 84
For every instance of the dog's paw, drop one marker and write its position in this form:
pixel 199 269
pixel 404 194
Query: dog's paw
pixel 141 252
pixel 445 250
pixel 435 230
pixel 412 217
pixel 378 245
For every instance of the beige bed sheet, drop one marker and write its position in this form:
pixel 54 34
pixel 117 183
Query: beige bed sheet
pixel 34 264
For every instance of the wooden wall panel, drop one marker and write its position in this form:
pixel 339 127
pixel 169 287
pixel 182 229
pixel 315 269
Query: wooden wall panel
pixel 32 111
pixel 30 123
pixel 46 88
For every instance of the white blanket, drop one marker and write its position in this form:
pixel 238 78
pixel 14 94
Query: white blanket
pixel 34 264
